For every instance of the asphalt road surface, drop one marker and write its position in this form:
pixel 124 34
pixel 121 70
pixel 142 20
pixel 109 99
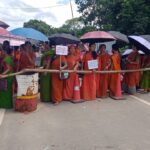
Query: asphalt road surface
pixel 96 125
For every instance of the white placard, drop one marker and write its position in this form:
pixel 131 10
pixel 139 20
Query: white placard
pixel 61 50
pixel 27 84
pixel 93 64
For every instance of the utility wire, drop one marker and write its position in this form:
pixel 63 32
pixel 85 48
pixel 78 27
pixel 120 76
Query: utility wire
pixel 31 7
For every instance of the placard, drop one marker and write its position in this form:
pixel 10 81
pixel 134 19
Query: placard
pixel 61 50
pixel 93 64
pixel 27 84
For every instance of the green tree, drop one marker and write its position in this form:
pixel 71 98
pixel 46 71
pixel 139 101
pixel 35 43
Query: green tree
pixel 40 26
pixel 75 26
pixel 127 16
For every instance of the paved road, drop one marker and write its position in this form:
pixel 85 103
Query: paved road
pixel 96 125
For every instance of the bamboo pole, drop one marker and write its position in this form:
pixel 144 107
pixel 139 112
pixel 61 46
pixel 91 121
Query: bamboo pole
pixel 86 71
pixel 40 70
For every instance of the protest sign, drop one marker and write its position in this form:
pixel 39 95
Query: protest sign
pixel 61 50
pixel 93 64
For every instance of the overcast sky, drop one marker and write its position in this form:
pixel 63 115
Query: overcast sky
pixel 53 12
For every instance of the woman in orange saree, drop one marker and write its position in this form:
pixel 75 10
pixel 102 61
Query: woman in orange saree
pixel 57 84
pixel 71 91
pixel 27 57
pixel 115 78
pixel 88 88
pixel 132 79
pixel 77 53
pixel 104 61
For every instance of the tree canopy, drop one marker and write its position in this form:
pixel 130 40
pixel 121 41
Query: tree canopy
pixel 40 26
pixel 74 26
pixel 127 16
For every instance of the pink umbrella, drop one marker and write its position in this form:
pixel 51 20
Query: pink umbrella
pixel 13 39
pixel 4 31
pixel 97 37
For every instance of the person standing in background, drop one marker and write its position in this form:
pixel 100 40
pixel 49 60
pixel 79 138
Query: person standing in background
pixel 57 63
pixel 88 88
pixel 132 79
pixel 115 78
pixel 1 56
pixel 6 92
pixel 145 81
pixel 45 78
pixel 105 62
pixel 27 57
pixel 71 91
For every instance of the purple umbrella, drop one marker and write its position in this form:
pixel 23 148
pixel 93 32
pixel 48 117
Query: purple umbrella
pixel 140 43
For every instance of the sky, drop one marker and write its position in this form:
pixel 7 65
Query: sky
pixel 53 12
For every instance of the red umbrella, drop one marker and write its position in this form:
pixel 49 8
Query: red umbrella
pixel 97 36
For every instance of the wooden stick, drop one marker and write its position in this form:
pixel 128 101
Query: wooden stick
pixel 87 71
pixel 40 70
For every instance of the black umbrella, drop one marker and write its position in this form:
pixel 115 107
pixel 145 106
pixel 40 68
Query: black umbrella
pixel 63 39
pixel 140 43
pixel 3 25
pixel 119 36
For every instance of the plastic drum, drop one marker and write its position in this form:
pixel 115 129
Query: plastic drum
pixel 27 93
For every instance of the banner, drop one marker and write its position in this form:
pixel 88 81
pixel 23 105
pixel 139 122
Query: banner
pixel 27 84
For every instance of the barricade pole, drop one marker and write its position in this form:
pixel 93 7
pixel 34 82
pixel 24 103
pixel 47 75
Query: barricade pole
pixel 39 70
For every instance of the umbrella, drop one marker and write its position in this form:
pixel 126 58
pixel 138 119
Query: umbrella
pixel 119 36
pixel 146 37
pixel 30 33
pixel 63 38
pixel 140 43
pixel 14 40
pixel 4 31
pixel 3 25
pixel 97 37
pixel 128 51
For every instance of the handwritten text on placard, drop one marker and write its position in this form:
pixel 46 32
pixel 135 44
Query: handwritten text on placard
pixel 93 64
pixel 61 50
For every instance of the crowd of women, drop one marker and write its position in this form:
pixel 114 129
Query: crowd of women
pixel 74 87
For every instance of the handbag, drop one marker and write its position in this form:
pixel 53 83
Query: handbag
pixel 64 75
pixel 3 84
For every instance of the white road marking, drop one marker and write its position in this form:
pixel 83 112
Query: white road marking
pixel 141 100
pixel 2 113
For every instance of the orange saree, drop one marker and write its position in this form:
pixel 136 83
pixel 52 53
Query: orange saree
pixel 78 54
pixel 72 84
pixel 98 75
pixel 115 78
pixel 27 60
pixel 102 87
pixel 88 88
pixel 57 84
pixel 132 79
